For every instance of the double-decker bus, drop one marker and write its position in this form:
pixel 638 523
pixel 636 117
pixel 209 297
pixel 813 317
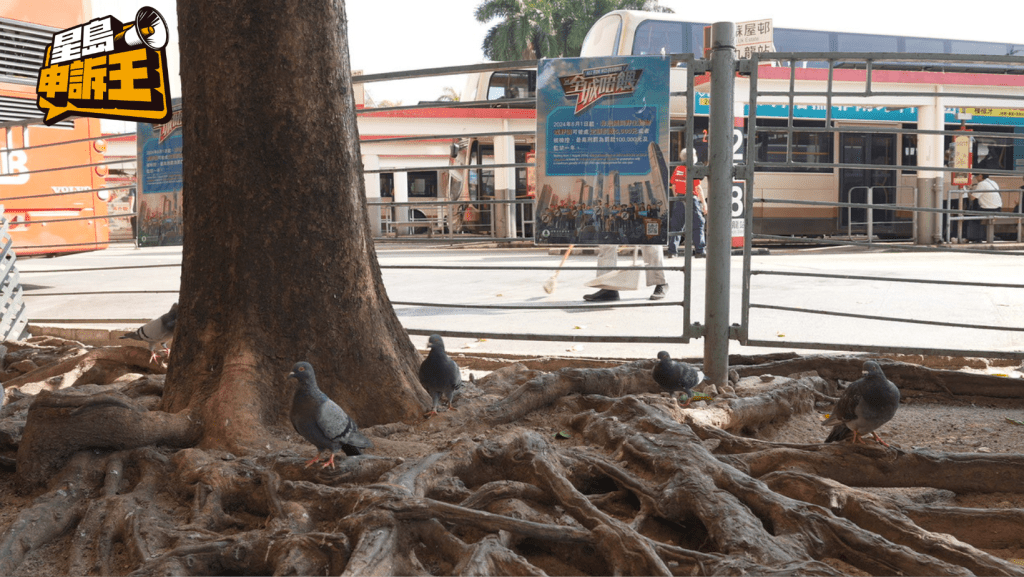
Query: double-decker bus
pixel 879 136
pixel 51 177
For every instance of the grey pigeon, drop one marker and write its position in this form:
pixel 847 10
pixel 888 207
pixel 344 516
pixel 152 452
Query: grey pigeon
pixel 676 375
pixel 321 421
pixel 865 405
pixel 156 332
pixel 439 374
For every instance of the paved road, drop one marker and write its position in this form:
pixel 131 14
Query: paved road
pixel 55 293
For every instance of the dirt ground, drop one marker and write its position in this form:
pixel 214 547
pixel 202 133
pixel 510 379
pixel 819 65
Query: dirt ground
pixel 924 422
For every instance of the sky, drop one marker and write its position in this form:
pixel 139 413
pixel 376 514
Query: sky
pixel 396 35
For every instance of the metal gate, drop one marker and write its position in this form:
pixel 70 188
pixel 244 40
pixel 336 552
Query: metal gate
pixel 971 290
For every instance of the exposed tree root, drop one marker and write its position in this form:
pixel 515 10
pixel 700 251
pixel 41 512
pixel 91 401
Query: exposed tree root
pixel 641 487
pixel 882 516
pixel 544 389
pixel 58 426
pixel 905 375
pixel 99 366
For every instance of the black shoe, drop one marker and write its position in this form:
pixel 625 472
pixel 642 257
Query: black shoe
pixel 602 295
pixel 700 255
pixel 670 255
pixel 659 292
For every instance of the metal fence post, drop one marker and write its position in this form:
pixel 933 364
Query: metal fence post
pixel 871 213
pixel 719 237
pixel 13 316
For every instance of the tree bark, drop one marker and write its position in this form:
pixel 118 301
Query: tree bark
pixel 278 261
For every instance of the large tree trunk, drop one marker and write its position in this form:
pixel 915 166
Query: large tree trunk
pixel 278 264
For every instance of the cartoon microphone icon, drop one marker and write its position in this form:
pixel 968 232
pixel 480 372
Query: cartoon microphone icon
pixel 149 29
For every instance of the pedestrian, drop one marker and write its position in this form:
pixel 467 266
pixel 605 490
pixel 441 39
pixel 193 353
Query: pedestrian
pixel 698 208
pixel 608 255
pixel 985 198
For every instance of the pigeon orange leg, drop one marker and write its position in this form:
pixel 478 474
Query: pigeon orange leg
pixel 879 439
pixel 316 458
pixel 329 462
pixel 857 438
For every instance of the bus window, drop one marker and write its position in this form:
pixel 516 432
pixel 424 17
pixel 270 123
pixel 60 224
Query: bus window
pixel 808 148
pixel 422 184
pixel 908 155
pixel 801 41
pixel 387 185
pixel 866 43
pixel 986 48
pixel 512 84
pixel 603 37
pixel 658 37
pixel 924 46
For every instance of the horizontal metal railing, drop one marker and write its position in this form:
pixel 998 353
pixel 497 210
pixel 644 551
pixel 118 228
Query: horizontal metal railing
pixel 825 92
pixel 443 213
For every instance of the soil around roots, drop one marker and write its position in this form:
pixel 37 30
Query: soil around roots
pixel 545 467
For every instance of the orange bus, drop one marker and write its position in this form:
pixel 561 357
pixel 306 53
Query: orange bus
pixel 51 179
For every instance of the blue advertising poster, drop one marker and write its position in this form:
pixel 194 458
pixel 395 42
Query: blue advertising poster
pixel 160 181
pixel 602 136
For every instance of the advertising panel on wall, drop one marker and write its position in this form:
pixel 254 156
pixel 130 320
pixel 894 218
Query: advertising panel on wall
pixel 602 137
pixel 160 181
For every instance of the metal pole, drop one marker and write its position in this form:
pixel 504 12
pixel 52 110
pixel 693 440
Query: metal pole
pixel 719 225
pixel 871 213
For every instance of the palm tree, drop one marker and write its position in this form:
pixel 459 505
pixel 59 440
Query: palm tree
pixel 532 29
pixel 448 94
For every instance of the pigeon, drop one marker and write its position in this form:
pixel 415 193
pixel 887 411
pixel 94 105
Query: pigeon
pixel 676 375
pixel 156 332
pixel 439 375
pixel 321 421
pixel 865 405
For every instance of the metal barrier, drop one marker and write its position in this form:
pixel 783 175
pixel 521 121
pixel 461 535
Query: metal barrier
pixel 500 219
pixel 941 300
pixel 955 220
pixel 13 317
pixel 445 214
pixel 469 221
pixel 887 208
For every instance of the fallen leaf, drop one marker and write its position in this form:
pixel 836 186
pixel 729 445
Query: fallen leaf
pixel 562 435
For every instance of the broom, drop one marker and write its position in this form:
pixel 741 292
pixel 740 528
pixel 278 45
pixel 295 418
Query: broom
pixel 551 283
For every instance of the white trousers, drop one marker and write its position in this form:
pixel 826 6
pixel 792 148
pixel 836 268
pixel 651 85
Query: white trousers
pixel 608 255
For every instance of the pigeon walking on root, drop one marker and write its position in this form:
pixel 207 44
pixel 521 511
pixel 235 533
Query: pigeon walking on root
pixel 321 421
pixel 865 405
pixel 156 332
pixel 676 376
pixel 439 375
